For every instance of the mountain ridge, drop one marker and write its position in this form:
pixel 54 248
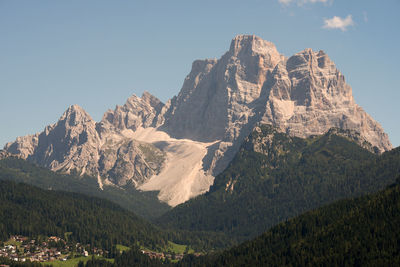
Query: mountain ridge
pixel 220 103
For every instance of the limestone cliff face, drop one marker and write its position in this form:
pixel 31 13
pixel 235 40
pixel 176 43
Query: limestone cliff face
pixel 137 112
pixel 222 100
pixel 220 103
pixel 216 98
pixel 307 95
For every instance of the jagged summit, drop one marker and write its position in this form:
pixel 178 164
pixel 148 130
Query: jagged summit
pixel 251 44
pixel 75 115
pixel 152 101
pixel 136 112
pixel 178 147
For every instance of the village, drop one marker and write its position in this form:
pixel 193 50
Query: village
pixel 162 256
pixel 20 248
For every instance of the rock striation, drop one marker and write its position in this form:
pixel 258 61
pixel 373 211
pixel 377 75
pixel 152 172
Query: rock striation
pixel 220 103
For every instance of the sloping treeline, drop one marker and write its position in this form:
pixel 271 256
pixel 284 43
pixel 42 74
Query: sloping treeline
pixel 30 211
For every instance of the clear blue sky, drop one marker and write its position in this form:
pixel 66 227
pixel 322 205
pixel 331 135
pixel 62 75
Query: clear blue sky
pixel 97 53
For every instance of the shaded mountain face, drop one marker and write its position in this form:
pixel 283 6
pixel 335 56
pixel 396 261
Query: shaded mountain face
pixel 220 103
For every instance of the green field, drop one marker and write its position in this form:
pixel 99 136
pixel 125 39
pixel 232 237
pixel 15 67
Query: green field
pixel 122 248
pixel 72 262
pixel 177 248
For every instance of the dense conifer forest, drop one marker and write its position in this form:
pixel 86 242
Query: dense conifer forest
pixel 364 231
pixel 357 232
pixel 30 211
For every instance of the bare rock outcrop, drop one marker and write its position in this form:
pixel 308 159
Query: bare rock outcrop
pixel 307 95
pixel 136 112
pixel 5 154
pixel 216 98
pixel 71 143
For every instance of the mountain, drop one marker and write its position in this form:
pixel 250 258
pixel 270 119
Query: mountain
pixel 177 148
pixel 357 232
pixel 276 176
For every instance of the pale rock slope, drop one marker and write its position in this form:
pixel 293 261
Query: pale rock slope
pixel 183 176
pixel 178 148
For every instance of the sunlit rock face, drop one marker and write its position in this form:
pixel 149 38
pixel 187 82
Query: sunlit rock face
pixel 222 100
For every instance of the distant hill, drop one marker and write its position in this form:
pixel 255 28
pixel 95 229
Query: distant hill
pixel 30 211
pixel 276 176
pixel 358 232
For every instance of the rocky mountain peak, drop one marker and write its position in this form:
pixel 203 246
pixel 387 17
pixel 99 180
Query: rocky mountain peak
pixel 152 101
pixel 309 59
pixel 75 115
pixel 244 45
pixel 136 112
pixel 315 80
pixel 217 94
pixel 253 56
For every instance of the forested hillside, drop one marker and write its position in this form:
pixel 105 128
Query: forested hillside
pixel 359 232
pixel 30 211
pixel 144 204
pixel 275 177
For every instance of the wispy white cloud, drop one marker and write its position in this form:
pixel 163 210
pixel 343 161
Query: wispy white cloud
pixel 314 1
pixel 302 2
pixel 338 23
pixel 285 2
